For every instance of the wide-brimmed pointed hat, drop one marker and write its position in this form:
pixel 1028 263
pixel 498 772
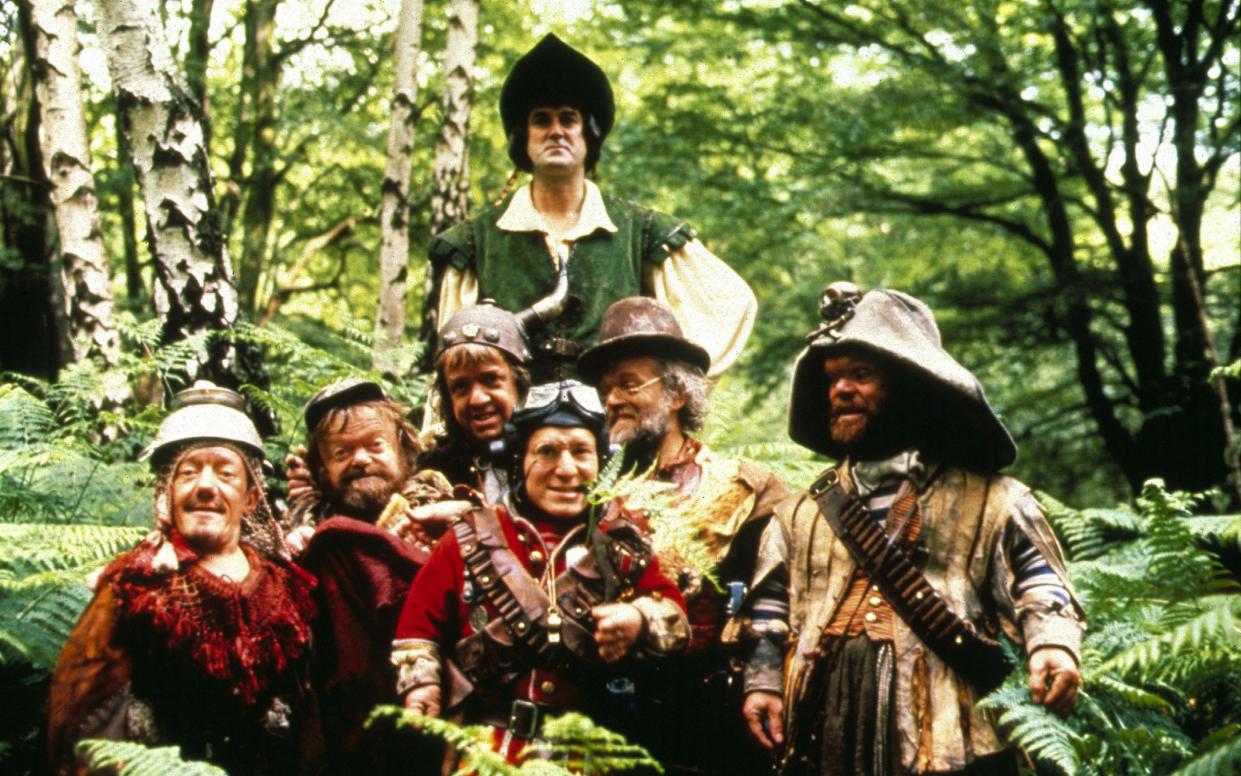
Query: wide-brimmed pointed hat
pixel 554 73
pixel 639 326
pixel 899 329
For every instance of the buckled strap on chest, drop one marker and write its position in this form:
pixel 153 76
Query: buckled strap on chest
pixel 518 599
pixel 957 642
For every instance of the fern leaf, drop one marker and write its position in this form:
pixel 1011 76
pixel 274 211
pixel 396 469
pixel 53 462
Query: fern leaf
pixel 126 758
pixel 1219 622
pixel 1223 759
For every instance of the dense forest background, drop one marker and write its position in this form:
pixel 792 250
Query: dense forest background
pixel 244 190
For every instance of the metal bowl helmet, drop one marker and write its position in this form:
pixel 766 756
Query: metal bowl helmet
pixel 205 413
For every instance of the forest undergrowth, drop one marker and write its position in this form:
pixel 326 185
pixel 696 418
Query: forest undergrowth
pixel 1161 658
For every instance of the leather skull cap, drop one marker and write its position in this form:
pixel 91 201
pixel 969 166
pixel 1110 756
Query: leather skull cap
pixel 899 329
pixel 636 327
pixel 343 393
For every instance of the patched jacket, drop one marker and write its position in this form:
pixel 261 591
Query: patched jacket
pixel 964 517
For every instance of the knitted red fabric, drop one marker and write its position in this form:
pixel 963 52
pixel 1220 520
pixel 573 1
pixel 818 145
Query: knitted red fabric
pixel 243 635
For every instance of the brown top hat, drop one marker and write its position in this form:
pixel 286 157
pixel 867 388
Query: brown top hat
pixel 635 327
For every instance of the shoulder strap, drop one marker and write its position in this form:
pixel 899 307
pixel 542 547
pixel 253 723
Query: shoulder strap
pixel 957 642
pixel 518 598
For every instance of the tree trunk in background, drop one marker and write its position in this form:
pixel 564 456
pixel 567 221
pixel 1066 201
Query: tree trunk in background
pixel 194 293
pixel 27 324
pixel 197 57
pixel 450 196
pixel 86 285
pixel 134 287
pixel 255 140
pixel 394 211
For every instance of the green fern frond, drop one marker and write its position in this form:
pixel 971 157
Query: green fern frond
pixel 126 758
pixel 1222 755
pixel 674 534
pixel 24 419
pixel 1043 735
pixel 38 612
pixel 1218 622
pixel 30 548
pixel 585 747
pixel 570 743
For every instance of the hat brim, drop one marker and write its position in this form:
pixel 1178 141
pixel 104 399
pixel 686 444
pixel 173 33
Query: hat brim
pixel 977 438
pixel 595 360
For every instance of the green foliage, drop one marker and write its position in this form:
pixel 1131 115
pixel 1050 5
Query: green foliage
pixel 43 583
pixel 124 758
pixel 674 533
pixel 1161 660
pixel 568 744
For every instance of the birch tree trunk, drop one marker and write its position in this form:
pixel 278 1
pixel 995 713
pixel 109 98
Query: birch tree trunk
pixel 394 211
pixel 86 296
pixel 450 195
pixel 193 286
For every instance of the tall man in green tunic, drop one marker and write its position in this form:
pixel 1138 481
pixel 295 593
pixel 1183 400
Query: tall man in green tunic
pixel 560 250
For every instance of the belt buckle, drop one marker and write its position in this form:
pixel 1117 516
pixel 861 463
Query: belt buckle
pixel 524 720
pixel 829 480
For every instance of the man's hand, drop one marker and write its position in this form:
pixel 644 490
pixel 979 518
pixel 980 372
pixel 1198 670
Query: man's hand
pixel 298 538
pixel 422 525
pixel 424 700
pixel 1054 679
pixel 764 712
pixel 298 475
pixel 616 629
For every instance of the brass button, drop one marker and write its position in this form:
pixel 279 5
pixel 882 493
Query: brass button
pixel 870 617
pixel 918 595
pixel 958 640
pixel 547 687
pixel 536 556
pixel 875 600
pixel 874 588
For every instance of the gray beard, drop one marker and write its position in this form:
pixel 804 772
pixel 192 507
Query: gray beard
pixel 643 442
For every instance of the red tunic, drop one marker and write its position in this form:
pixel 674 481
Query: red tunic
pixel 436 611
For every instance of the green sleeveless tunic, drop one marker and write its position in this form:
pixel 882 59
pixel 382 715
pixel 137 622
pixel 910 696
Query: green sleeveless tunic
pixel 516 270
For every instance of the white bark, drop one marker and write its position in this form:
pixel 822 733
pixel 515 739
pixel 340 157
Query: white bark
pixel 86 298
pixel 394 211
pixel 450 197
pixel 194 292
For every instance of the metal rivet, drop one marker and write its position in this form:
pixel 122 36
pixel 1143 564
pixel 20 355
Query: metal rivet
pixel 875 600
pixel 870 617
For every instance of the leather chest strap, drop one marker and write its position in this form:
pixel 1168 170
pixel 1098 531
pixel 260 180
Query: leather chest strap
pixel 976 657
pixel 484 654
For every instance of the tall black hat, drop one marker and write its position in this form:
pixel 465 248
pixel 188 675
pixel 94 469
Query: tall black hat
pixel 555 73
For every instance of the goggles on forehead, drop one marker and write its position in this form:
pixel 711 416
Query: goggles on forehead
pixel 549 395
